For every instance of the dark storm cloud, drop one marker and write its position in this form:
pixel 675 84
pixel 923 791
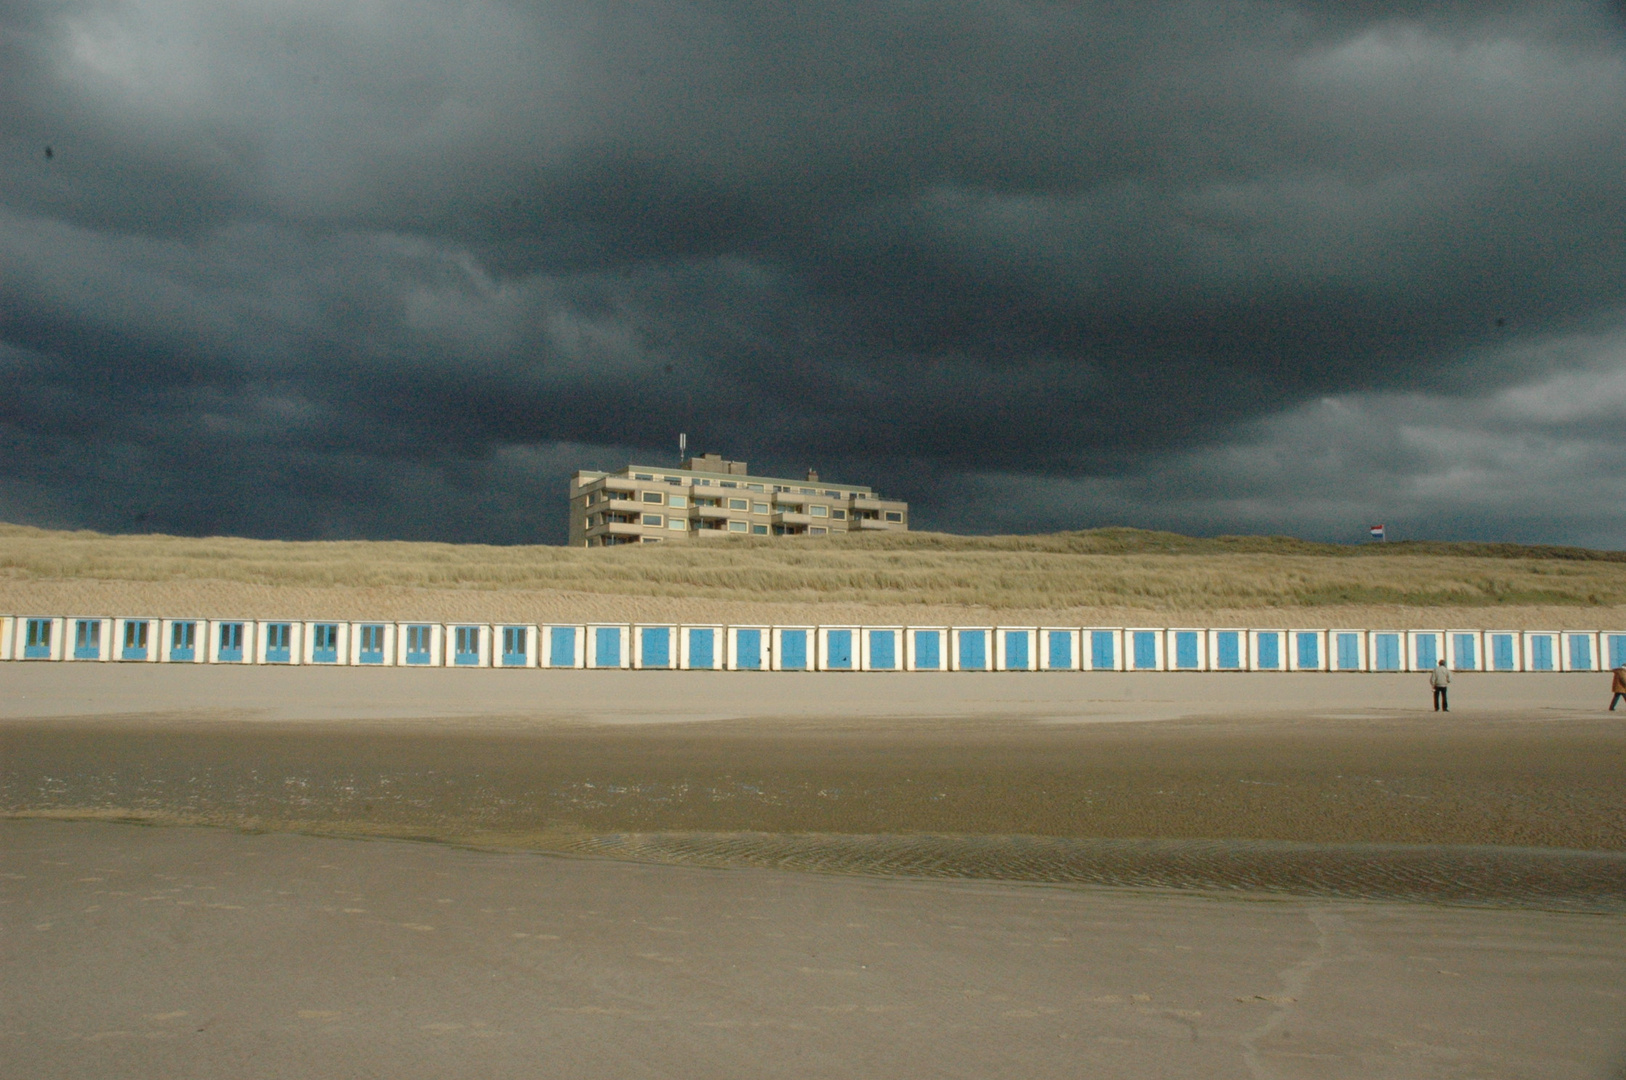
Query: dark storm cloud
pixel 333 269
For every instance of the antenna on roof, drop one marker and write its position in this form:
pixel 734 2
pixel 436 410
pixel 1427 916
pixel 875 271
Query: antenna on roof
pixel 683 446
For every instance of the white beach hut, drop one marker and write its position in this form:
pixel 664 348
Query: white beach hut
pixel 560 645
pixel 838 648
pixel 183 641
pixel 654 647
pixel 1346 650
pixel 39 637
pixel 230 641
pixel 881 648
pixel 1386 650
pixel 749 648
pixel 1101 648
pixel 1504 650
pixel 90 638
pixel 1143 649
pixel 1267 650
pixel 1612 648
pixel 1186 650
pixel 794 648
pixel 467 645
pixel 926 648
pixel 609 645
pixel 374 644
pixel 703 648
pixel 1542 650
pixel 1228 650
pixel 1307 650
pixel 514 645
pixel 1425 649
pixel 1016 648
pixel 325 643
pixel 136 640
pixel 1466 652
pixel 420 644
pixel 1059 649
pixel 969 648
pixel 277 642
pixel 1581 651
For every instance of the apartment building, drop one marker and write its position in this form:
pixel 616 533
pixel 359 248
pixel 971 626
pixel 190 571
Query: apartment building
pixel 708 497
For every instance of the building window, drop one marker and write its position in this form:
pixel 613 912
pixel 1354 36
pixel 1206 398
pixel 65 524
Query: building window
pixel 833 494
pixel 738 504
pixel 759 530
pixel 652 539
pixel 753 487
pixel 893 515
pixel 678 502
pixel 654 497
pixel 819 511
pixel 817 530
pixel 738 526
pixel 759 508
pixel 652 519
pixel 727 483
pixel 642 476
pixel 676 524
pixel 839 515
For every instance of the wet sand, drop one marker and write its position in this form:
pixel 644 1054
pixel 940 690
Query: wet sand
pixel 178 953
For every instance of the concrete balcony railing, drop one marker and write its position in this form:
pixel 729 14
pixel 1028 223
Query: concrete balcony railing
pixel 792 518
pixel 710 513
pixel 616 528
pixel 872 525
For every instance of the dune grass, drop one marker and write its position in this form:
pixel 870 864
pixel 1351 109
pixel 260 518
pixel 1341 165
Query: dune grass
pixel 1104 568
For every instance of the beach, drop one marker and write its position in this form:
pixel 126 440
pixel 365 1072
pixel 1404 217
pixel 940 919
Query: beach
pixel 614 873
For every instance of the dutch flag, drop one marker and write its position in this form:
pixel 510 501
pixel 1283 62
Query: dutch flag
pixel 1378 532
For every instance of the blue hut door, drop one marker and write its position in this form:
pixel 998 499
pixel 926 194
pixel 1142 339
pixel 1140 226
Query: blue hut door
pixel 562 646
pixel 325 643
pixel 883 650
pixel 87 639
pixel 1465 652
pixel 1580 652
pixel 1541 653
pixel 973 650
pixel 702 651
pixel 1349 652
pixel 231 643
pixel 838 650
pixel 1145 650
pixel 1270 652
pixel 1061 650
pixel 1387 647
pixel 515 645
pixel 1102 652
pixel 417 644
pixel 1309 652
pixel 793 650
pixel 748 650
pixel 37 641
pixel 277 643
pixel 1502 652
pixel 1428 653
pixel 183 640
pixel 372 645
pixel 928 651
pixel 657 647
pixel 607 647
pixel 1228 650
pixel 466 646
pixel 135 640
pixel 1185 650
pixel 1016 650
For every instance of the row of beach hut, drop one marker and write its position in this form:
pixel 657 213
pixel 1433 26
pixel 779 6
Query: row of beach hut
pixel 798 648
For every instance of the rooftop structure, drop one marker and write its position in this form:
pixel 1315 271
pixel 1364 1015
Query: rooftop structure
pixel 708 497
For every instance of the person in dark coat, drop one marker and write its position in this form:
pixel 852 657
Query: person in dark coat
pixel 1618 688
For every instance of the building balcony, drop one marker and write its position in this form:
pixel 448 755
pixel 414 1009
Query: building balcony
pixel 791 518
pixel 873 525
pixel 616 528
pixel 710 513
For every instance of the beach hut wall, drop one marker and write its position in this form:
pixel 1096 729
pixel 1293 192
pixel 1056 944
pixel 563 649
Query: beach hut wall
pixel 278 642
pixel 926 648
pixel 135 640
pixel 881 648
pixel 513 645
pixel 8 632
pixel 561 646
pixel 1267 650
pixel 230 641
pixel 1612 648
pixel 1227 650
pixel 1307 650
pixel 1346 650
pixel 838 648
pixel 420 644
pixel 1059 649
pixel 1016 648
pixel 970 648
pixel 1581 652
pixel 1101 648
pixel 748 647
pixel 374 644
pixel 325 643
pixel 793 648
pixel 90 637
pixel 703 648
pixel 654 647
pixel 1466 650
pixel 1186 649
pixel 1541 650
pixel 1144 649
pixel 1386 650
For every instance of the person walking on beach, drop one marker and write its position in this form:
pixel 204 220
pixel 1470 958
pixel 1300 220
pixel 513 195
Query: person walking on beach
pixel 1440 678
pixel 1619 687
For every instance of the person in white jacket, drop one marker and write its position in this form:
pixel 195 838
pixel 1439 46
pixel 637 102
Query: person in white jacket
pixel 1439 679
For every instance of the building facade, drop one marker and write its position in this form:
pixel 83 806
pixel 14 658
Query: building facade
pixel 709 497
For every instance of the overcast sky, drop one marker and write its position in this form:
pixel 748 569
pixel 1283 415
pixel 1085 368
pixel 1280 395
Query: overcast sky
pixel 395 269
